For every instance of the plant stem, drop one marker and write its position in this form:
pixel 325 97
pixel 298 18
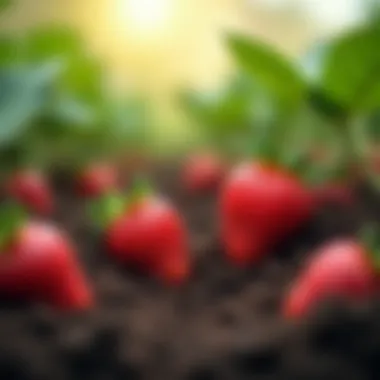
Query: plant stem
pixel 350 156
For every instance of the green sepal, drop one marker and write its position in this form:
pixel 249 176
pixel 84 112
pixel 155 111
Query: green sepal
pixel 12 218
pixel 140 189
pixel 370 236
pixel 104 210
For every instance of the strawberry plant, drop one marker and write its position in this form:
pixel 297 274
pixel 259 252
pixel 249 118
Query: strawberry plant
pixel 55 104
pixel 39 263
pixel 321 130
pixel 344 267
pixel 225 117
pixel 144 231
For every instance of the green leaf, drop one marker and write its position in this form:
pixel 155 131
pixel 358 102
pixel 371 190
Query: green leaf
pixel 84 78
pixel 123 125
pixel 51 42
pixel 269 68
pixel 312 62
pixel 140 189
pixel 83 75
pixel 23 95
pixel 370 236
pixel 327 107
pixel 106 209
pixel 9 53
pixel 4 4
pixel 71 112
pixel 226 118
pixel 374 127
pixel 351 70
pixel 312 66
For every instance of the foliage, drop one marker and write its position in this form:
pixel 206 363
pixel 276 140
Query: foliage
pixel 4 4
pixel 328 101
pixel 271 70
pixel 226 116
pixel 24 92
pixel 55 105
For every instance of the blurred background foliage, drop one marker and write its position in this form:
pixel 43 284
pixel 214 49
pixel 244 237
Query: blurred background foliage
pixel 250 91
pixel 56 107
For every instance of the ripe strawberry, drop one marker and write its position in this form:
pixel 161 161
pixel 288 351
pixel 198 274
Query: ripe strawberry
pixel 149 234
pixel 202 173
pixel 39 263
pixel 97 180
pixel 339 268
pixel 260 205
pixel 31 189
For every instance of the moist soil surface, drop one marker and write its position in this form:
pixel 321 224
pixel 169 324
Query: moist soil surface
pixel 225 323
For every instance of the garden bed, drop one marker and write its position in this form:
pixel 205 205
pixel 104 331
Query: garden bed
pixel 225 323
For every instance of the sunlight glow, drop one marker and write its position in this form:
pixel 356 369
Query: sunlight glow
pixel 146 16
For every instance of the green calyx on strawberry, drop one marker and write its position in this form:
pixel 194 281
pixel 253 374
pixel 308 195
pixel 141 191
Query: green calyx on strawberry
pixel 344 267
pixel 146 232
pixel 274 193
pixel 112 205
pixel 39 263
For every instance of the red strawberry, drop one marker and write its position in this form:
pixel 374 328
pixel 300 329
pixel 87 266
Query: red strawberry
pixel 97 180
pixel 31 189
pixel 260 205
pixel 149 234
pixel 202 173
pixel 339 268
pixel 39 263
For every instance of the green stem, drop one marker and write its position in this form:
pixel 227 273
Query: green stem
pixel 140 189
pixel 370 236
pixel 349 154
pixel 12 217
pixel 105 210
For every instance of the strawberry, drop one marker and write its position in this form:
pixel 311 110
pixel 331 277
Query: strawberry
pixel 147 233
pixel 339 268
pixel 97 180
pixel 31 189
pixel 38 263
pixel 260 205
pixel 202 172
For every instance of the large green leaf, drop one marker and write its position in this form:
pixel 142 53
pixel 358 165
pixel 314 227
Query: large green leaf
pixel 4 4
pixel 126 121
pixel 9 51
pixel 351 70
pixel 83 73
pixel 83 77
pixel 269 68
pixel 23 95
pixel 311 63
pixel 72 113
pixel 51 42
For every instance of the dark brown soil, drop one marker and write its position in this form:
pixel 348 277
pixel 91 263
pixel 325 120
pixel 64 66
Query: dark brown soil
pixel 224 324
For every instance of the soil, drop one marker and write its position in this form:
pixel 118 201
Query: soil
pixel 224 324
